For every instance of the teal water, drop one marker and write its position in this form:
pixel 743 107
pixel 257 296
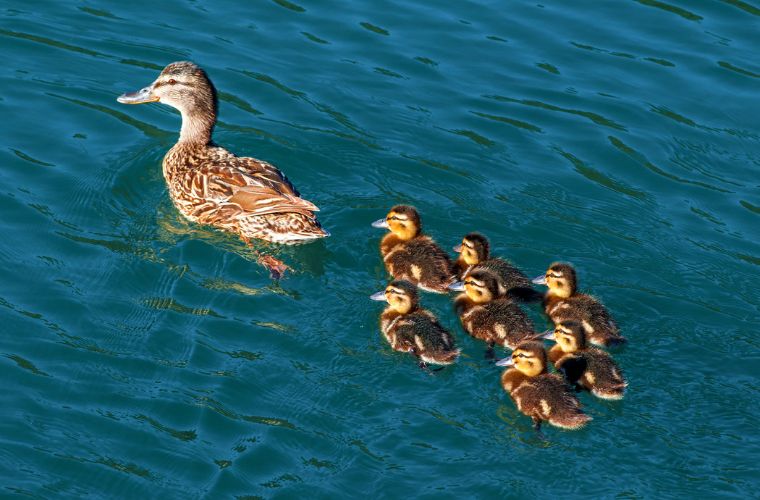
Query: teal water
pixel 146 356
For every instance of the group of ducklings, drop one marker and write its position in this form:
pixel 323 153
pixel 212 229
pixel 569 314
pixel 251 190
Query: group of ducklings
pixel 488 310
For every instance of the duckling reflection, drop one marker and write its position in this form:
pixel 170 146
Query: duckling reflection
pixel 409 328
pixel 412 256
pixel 210 185
pixel 474 253
pixel 563 302
pixel 542 396
pixel 487 316
pixel 585 367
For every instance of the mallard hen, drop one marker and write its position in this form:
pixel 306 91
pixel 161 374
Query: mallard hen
pixel 210 185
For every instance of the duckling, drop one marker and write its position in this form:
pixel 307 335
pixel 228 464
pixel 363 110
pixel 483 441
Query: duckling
pixel 537 393
pixel 474 253
pixel 409 328
pixel 412 256
pixel 488 316
pixel 210 185
pixel 586 368
pixel 563 302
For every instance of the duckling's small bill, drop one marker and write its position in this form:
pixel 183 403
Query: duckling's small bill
pixel 380 296
pixel 547 335
pixel 380 224
pixel 539 280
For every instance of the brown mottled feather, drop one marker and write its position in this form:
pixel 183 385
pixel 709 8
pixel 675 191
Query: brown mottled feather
pixel 210 185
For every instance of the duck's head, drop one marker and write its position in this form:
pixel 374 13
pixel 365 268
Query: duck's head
pixel 402 220
pixel 528 357
pixel 569 335
pixel 186 87
pixel 474 249
pixel 560 278
pixel 481 286
pixel 400 295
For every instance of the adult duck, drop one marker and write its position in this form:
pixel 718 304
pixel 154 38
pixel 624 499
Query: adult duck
pixel 210 185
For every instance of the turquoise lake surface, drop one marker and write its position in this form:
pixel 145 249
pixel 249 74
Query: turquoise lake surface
pixel 143 356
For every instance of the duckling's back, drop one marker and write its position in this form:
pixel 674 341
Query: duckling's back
pixel 421 332
pixel 421 262
pixel 600 328
pixel 512 282
pixel 500 321
pixel 547 397
pixel 595 371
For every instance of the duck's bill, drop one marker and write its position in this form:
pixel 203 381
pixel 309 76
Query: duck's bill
pixel 139 97
pixel 458 248
pixel 380 223
pixel 547 335
pixel 378 295
pixel 539 280
pixel 457 287
pixel 505 362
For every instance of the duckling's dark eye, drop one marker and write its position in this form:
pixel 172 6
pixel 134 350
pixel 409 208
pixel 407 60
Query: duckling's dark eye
pixel 172 81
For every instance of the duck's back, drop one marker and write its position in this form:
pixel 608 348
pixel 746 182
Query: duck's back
pixel 595 371
pixel 512 282
pixel 546 397
pixel 422 262
pixel 500 321
pixel 210 185
pixel 421 333
pixel 600 328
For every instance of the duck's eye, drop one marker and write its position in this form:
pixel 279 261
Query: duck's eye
pixel 172 81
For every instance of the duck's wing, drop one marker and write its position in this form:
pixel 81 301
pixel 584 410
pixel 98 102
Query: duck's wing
pixel 256 187
pixel 264 173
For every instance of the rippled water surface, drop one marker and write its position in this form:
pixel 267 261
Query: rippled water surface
pixel 145 356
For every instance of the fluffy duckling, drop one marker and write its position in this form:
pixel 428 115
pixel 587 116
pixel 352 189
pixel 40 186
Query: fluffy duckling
pixel 488 316
pixel 410 328
pixel 412 256
pixel 586 368
pixel 563 302
pixel 538 394
pixel 210 185
pixel 474 253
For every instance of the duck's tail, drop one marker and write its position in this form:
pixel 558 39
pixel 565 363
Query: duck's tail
pixel 612 391
pixel 571 421
pixel 608 340
pixel 443 358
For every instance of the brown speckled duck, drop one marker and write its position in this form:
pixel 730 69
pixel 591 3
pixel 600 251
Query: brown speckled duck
pixel 538 394
pixel 410 328
pixel 487 316
pixel 210 185
pixel 412 256
pixel 585 367
pixel 563 302
pixel 474 253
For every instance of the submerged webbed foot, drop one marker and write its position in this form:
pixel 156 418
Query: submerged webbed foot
pixel 275 266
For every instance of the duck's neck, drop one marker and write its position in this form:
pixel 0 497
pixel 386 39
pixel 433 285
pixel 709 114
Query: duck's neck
pixel 196 127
